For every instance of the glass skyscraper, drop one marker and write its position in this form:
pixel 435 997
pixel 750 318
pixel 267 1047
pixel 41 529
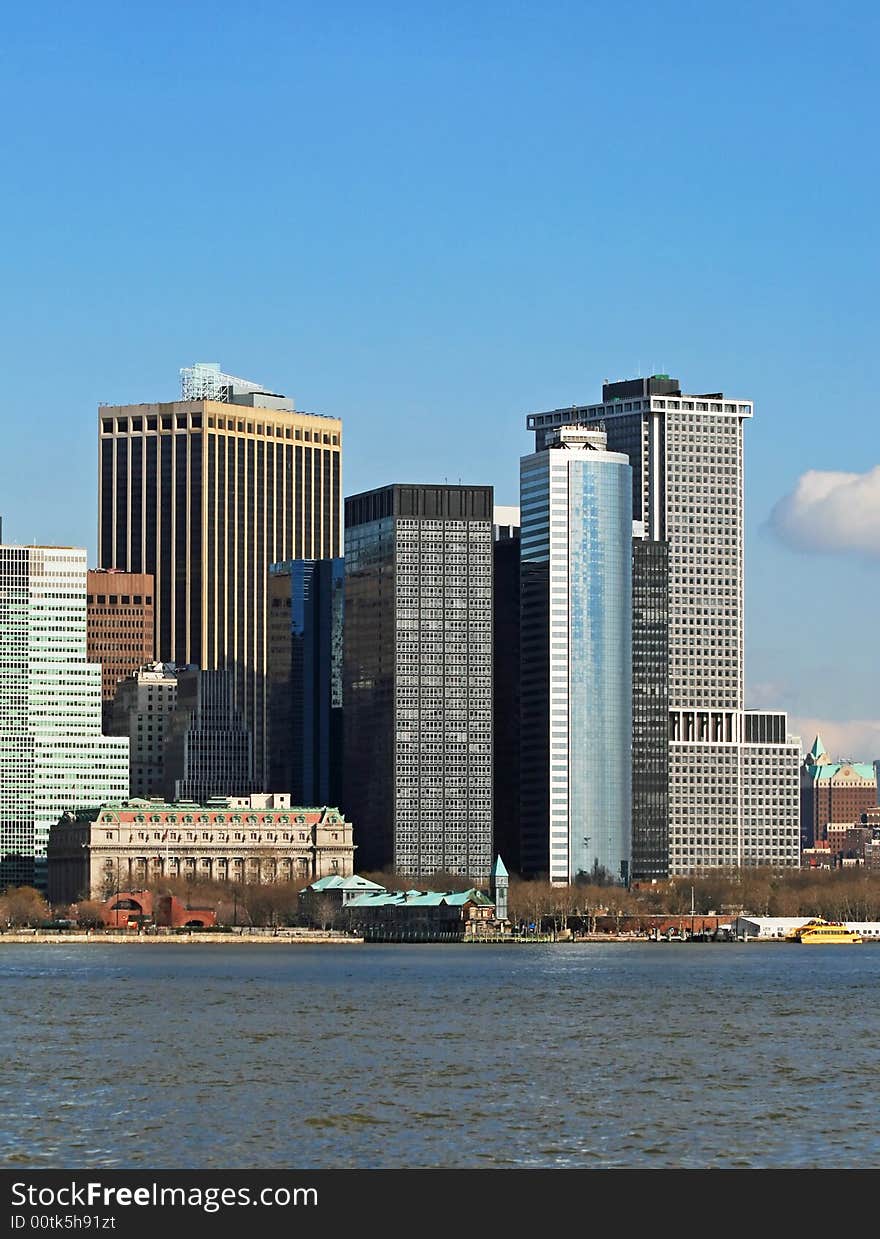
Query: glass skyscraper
pixel 306 601
pixel 576 658
pixel 731 782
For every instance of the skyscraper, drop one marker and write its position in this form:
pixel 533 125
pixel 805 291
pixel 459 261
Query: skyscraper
pixel 506 684
pixel 305 679
pixel 205 493
pixel 732 775
pixel 576 658
pixel 418 677
pixel 53 756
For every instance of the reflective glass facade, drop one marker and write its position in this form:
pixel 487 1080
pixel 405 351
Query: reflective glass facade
pixel 576 654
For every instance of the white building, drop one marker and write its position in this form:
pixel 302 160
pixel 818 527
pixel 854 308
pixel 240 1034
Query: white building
pixel 732 789
pixel 53 756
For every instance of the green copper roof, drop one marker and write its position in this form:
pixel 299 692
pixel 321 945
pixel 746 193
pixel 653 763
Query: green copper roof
pixel 335 881
pixel 499 869
pixel 818 749
pixel 420 899
pixel 827 771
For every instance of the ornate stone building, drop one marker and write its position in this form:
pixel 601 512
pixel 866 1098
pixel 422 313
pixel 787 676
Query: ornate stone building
pixel 261 838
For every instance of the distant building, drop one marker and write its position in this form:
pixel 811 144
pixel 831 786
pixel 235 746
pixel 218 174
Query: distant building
pixel 263 838
pixel 53 755
pixel 833 791
pixel 119 624
pixel 418 677
pixel 304 675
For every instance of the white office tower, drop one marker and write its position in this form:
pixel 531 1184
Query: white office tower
pixel 576 658
pixel 731 794
pixel 53 756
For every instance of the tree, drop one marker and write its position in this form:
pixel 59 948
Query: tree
pixel 22 905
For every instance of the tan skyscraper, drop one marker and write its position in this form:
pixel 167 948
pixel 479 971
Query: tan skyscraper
pixel 205 493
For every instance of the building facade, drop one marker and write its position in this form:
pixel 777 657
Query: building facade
pixel 833 791
pixel 304 671
pixel 418 677
pixel 650 684
pixel 261 838
pixel 506 683
pixel 142 709
pixel 686 453
pixel 53 755
pixel 119 625
pixel 576 658
pixel 209 749
pixel 204 494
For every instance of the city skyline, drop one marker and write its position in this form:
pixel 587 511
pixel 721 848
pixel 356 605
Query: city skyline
pixel 419 262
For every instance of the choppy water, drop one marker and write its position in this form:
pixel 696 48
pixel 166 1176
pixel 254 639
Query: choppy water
pixel 574 1055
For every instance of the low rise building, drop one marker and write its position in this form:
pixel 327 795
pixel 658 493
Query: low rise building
pixel 424 916
pixel 260 838
pixel 334 893
pixel 142 909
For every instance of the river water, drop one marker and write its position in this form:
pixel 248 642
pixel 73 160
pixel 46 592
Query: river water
pixel 568 1055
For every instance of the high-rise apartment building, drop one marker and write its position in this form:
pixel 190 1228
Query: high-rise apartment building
pixel 205 493
pixel 53 756
pixel 732 779
pixel 306 602
pixel 418 677
pixel 119 625
pixel 576 658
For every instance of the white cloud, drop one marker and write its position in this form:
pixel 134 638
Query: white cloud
pixel 829 511
pixel 856 740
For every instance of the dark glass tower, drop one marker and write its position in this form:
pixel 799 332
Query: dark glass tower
pixel 305 679
pixel 418 677
pixel 650 677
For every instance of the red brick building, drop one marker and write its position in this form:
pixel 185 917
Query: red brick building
pixel 833 791
pixel 138 909
pixel 119 624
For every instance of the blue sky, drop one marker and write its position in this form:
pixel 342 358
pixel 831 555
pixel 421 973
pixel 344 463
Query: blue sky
pixel 430 220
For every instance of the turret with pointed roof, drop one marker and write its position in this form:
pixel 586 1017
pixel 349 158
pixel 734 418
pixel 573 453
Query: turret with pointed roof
pixel 499 881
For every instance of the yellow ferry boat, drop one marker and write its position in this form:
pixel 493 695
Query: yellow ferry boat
pixel 819 931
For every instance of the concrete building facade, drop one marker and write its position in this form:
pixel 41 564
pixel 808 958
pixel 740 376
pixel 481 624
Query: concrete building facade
pixel 261 838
